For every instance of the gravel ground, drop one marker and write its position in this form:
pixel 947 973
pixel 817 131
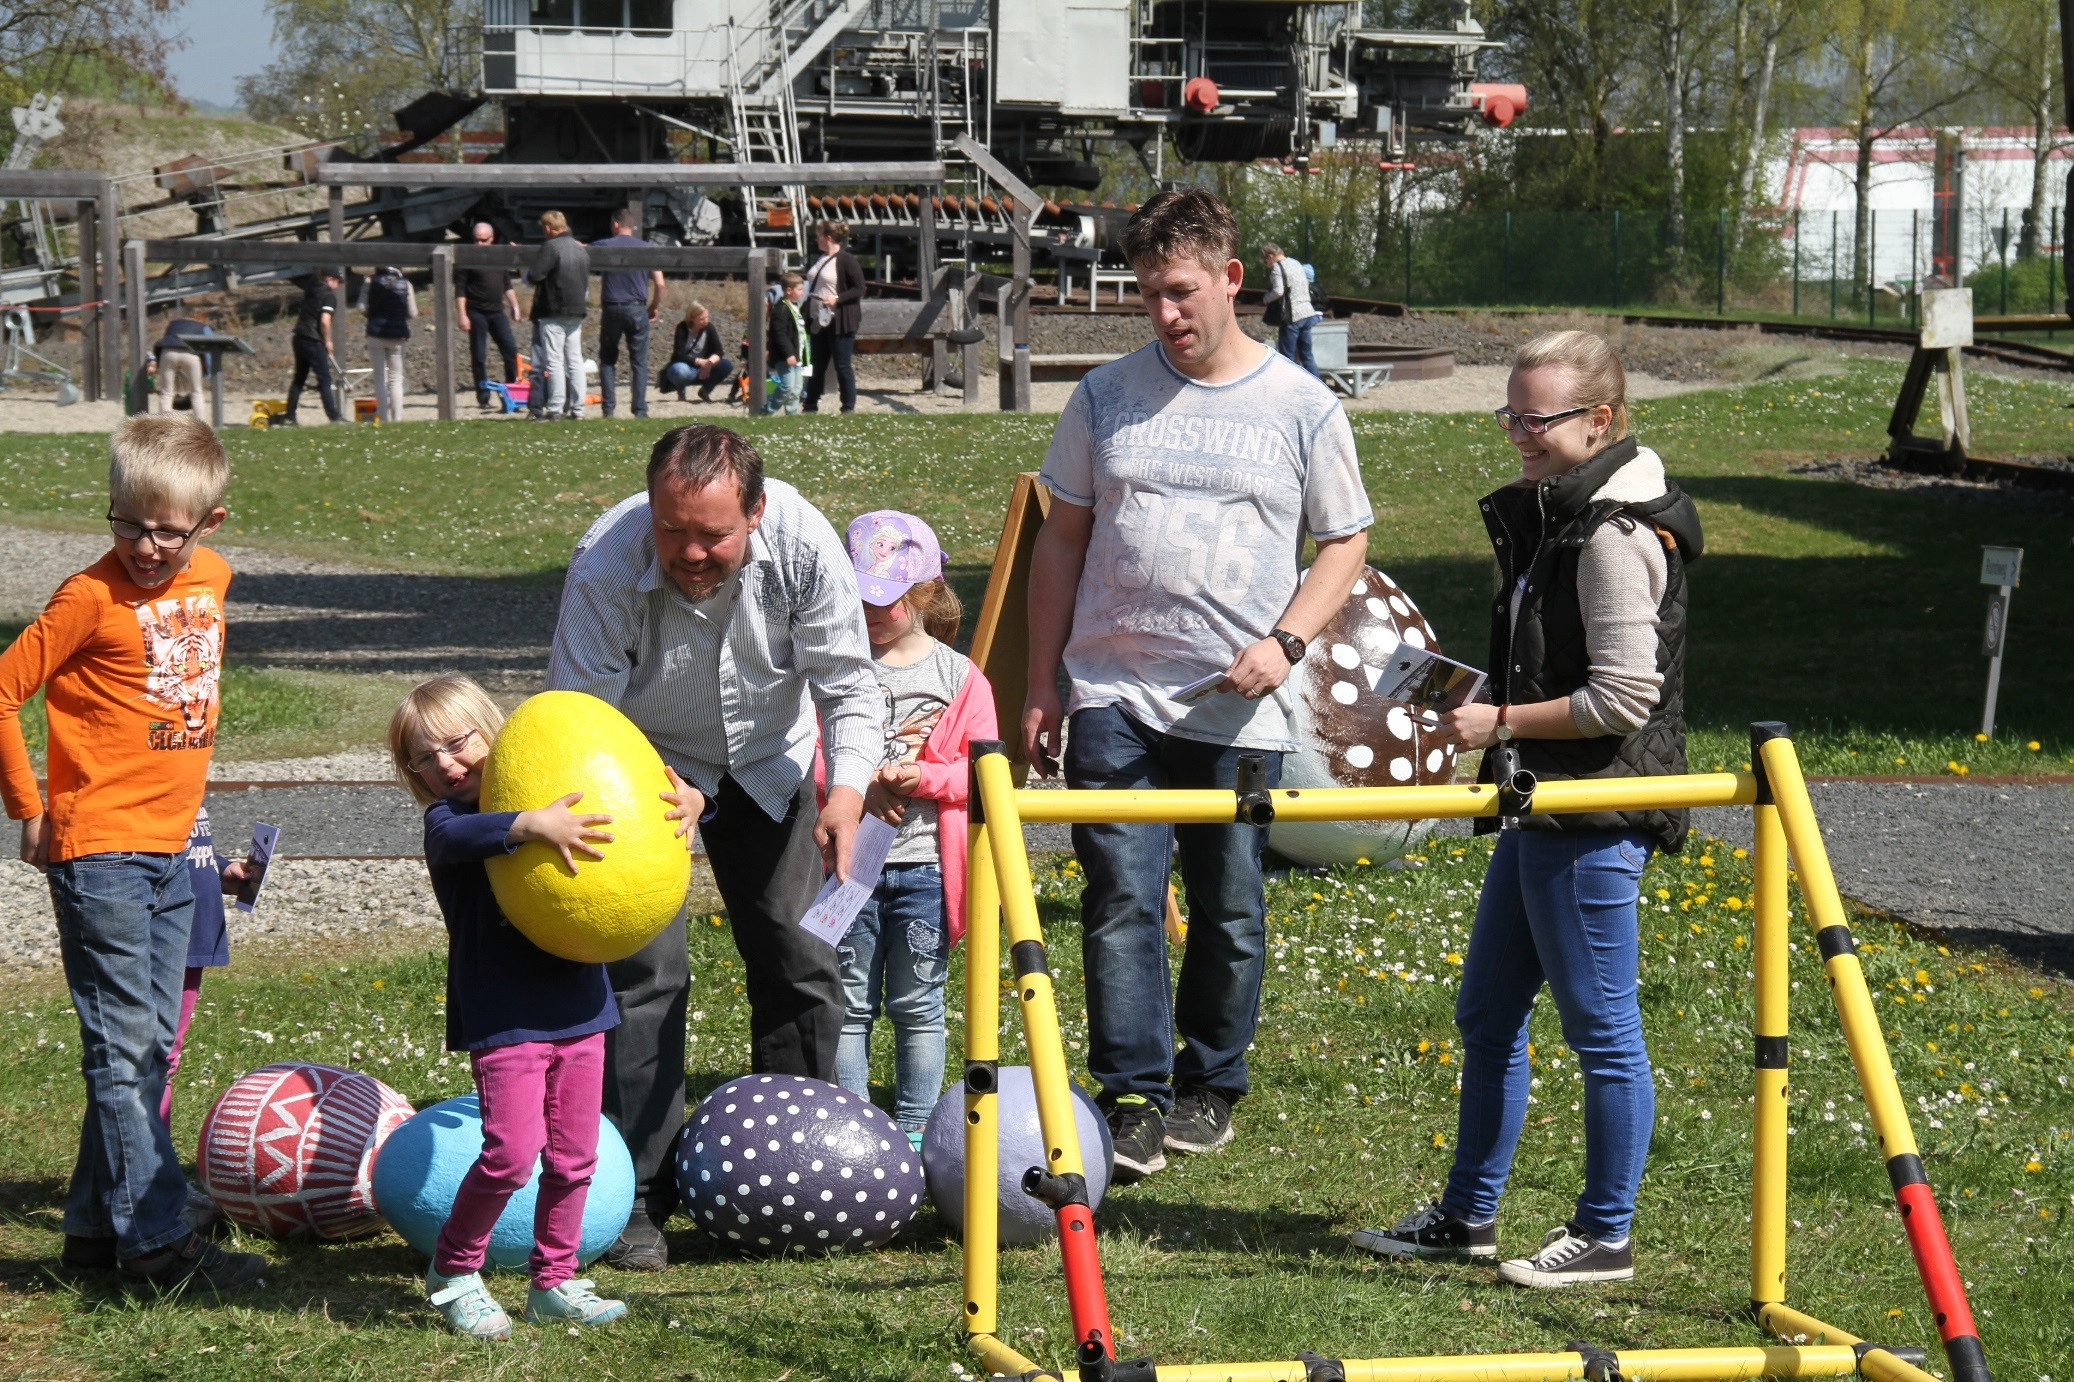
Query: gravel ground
pixel 1994 494
pixel 304 899
pixel 1994 863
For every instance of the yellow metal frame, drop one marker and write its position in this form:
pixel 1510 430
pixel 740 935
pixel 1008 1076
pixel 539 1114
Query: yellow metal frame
pixel 1000 894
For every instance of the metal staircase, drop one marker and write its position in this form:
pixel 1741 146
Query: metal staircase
pixel 763 64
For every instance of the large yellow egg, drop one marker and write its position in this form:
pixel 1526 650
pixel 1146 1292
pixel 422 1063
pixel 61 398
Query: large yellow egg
pixel 560 742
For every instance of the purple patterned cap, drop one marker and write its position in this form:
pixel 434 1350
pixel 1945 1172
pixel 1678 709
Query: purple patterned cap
pixel 892 552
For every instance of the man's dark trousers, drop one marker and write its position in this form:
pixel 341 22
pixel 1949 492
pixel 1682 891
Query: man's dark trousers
pixel 484 327
pixel 628 320
pixel 311 358
pixel 768 872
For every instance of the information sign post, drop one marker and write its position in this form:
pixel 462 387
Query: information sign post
pixel 2002 568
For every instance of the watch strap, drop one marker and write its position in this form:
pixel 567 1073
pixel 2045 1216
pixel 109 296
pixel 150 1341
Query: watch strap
pixel 1294 645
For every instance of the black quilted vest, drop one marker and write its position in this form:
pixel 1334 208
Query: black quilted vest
pixel 1539 531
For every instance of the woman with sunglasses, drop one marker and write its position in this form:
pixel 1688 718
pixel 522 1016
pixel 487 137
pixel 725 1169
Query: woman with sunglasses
pixel 1587 680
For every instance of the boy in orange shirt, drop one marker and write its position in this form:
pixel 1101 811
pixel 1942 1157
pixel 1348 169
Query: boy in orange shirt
pixel 128 653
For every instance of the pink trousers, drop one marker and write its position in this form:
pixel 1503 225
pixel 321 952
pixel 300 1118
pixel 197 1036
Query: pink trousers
pixel 190 990
pixel 540 1099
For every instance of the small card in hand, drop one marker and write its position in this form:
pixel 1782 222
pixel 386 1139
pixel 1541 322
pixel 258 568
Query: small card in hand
pixel 1430 684
pixel 257 859
pixel 1200 690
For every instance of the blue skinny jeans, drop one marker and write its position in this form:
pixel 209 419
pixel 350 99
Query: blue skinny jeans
pixel 897 954
pixel 1557 905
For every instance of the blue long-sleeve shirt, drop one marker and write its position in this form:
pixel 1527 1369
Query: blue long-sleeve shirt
pixel 501 988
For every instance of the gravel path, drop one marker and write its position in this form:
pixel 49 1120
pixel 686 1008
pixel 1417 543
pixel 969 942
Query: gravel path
pixel 1994 864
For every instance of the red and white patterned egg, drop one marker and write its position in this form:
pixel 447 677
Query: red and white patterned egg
pixel 289 1149
pixel 1348 735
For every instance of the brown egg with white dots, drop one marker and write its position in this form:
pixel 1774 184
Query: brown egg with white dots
pixel 1348 735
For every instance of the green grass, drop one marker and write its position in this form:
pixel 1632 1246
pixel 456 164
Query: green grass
pixel 1853 613
pixel 1230 1257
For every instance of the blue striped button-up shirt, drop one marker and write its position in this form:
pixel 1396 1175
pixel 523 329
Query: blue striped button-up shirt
pixel 728 686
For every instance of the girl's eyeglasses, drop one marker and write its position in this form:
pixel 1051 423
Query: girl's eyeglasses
pixel 450 749
pixel 1534 424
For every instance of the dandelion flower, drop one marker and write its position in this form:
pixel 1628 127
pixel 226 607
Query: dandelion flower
pixel 2034 746
pixel 2033 1166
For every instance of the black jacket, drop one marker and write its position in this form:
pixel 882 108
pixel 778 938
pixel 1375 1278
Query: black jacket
pixel 1538 532
pixel 849 294
pixel 781 335
pixel 689 347
pixel 562 268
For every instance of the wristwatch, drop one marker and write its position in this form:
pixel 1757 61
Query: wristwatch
pixel 1292 645
pixel 1504 731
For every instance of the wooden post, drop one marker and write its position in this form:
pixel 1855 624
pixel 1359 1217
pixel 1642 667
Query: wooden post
pixel 88 219
pixel 134 291
pixel 755 366
pixel 443 326
pixel 925 279
pixel 1004 344
pixel 338 235
pixel 111 274
pixel 968 353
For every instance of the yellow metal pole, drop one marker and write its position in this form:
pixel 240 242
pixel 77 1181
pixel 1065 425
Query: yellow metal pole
pixel 999 1358
pixel 1944 1288
pixel 1202 807
pixel 1768 952
pixel 982 1057
pixel 1062 1182
pixel 1638 1365
pixel 1877 1364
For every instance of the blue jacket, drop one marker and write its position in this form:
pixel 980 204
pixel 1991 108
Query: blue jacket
pixel 501 988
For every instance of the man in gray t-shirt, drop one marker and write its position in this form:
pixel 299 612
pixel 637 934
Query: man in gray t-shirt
pixel 1185 479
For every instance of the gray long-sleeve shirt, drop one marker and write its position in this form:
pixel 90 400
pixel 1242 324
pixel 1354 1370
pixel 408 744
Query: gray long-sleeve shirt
pixel 728 686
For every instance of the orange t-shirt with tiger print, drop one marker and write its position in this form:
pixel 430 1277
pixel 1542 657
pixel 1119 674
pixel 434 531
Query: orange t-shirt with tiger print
pixel 130 681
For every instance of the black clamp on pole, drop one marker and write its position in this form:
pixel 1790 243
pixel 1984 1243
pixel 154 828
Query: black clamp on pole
pixel 1515 784
pixel 1256 807
pixel 1761 733
pixel 1600 1364
pixel 1053 1191
pixel 976 749
pixel 1097 1366
pixel 1318 1368
pixel 1907 1353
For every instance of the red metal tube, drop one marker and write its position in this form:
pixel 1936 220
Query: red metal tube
pixel 1941 1281
pixel 1085 1296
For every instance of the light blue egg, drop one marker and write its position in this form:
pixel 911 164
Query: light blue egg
pixel 420 1168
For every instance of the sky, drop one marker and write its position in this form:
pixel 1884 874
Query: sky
pixel 226 40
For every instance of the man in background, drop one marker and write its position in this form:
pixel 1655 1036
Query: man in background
pixel 487 307
pixel 561 269
pixel 632 301
pixel 311 342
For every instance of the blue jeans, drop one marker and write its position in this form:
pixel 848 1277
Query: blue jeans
pixel 784 398
pixel 1293 339
pixel 122 932
pixel 1131 1016
pixel 1558 905
pixel 898 953
pixel 623 321
pixel 681 375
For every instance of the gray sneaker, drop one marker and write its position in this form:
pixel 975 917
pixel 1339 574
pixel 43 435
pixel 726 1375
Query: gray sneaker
pixel 195 1261
pixel 1571 1257
pixel 1136 1130
pixel 1431 1232
pixel 640 1247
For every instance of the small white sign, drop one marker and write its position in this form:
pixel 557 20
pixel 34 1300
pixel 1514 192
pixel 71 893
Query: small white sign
pixel 838 903
pixel 2001 565
pixel 1947 318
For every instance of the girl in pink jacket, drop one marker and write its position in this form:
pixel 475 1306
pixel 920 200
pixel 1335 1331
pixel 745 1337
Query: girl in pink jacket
pixel 897 952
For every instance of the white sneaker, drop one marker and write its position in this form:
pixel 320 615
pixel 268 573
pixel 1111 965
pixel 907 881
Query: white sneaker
pixel 470 1310
pixel 1571 1257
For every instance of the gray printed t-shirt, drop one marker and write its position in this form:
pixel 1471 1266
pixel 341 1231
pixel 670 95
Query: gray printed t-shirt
pixel 916 698
pixel 1203 494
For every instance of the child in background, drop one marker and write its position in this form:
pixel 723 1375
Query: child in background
pixel 129 653
pixel 897 952
pixel 533 1024
pixel 208 941
pixel 785 337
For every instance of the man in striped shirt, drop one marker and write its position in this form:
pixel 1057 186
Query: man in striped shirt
pixel 719 611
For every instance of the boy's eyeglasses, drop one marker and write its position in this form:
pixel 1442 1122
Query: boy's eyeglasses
pixel 450 749
pixel 169 539
pixel 1534 424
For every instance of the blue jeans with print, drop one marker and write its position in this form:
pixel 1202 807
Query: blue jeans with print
pixel 897 954
pixel 1134 1008
pixel 122 932
pixel 1557 905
